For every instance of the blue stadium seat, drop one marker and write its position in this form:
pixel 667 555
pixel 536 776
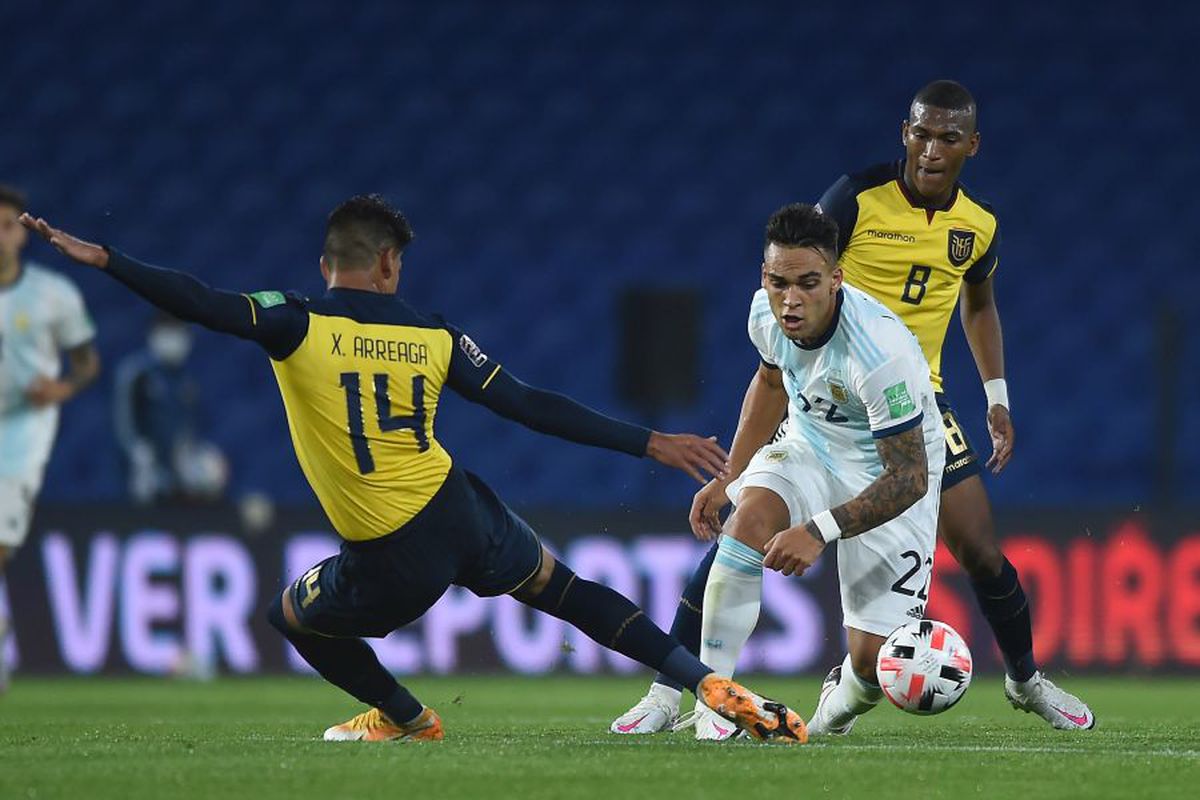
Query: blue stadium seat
pixel 551 156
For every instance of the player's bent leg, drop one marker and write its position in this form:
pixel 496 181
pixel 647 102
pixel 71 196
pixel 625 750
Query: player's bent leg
pixel 352 666
pixel 612 620
pixel 965 524
pixel 324 622
pixel 850 689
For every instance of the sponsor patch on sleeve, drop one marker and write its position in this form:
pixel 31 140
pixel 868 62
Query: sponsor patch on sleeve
pixel 268 299
pixel 899 401
pixel 472 351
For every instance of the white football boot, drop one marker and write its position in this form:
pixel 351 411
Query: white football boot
pixel 1040 696
pixel 655 712
pixel 709 725
pixel 817 726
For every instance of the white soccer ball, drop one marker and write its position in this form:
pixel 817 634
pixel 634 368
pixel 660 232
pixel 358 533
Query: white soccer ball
pixel 924 667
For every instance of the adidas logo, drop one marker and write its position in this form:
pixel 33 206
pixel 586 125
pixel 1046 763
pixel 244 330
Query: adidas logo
pixel 916 612
pixel 715 644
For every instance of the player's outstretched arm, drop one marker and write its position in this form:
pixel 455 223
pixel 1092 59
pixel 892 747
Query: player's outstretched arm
pixel 558 415
pixel 763 407
pixel 904 481
pixel 981 324
pixel 182 295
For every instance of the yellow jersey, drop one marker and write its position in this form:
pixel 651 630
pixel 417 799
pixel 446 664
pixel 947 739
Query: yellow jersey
pixel 913 260
pixel 361 390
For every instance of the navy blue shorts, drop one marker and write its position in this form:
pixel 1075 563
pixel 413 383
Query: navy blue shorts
pixel 962 461
pixel 465 536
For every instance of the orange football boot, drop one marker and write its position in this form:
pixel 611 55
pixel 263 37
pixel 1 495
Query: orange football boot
pixel 763 719
pixel 374 726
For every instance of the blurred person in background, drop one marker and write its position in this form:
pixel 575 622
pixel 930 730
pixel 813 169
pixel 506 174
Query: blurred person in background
pixel 156 408
pixel 42 316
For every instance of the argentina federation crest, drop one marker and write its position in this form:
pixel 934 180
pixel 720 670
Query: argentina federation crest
pixel 837 387
pixel 960 246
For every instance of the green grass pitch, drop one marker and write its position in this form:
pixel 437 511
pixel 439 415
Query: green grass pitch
pixel 547 738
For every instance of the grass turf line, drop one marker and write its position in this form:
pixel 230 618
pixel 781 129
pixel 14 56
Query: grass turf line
pixel 547 738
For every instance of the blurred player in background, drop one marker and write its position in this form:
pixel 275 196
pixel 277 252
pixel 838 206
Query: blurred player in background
pixel 42 316
pixel 361 373
pixel 912 236
pixel 157 417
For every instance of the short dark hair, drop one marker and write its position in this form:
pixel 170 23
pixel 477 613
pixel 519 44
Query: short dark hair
pixel 950 95
pixel 12 197
pixel 802 225
pixel 361 227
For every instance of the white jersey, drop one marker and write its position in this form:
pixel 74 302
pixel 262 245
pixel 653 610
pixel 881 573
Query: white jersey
pixel 865 379
pixel 41 315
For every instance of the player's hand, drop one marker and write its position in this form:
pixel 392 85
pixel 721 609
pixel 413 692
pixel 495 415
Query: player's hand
pixel 694 455
pixel 793 550
pixel 705 516
pixel 75 249
pixel 1001 428
pixel 45 391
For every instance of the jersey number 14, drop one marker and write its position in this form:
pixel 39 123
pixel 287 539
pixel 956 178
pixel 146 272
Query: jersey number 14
pixel 415 422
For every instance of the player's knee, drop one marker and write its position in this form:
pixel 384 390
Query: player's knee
pixel 978 552
pixel 753 526
pixel 541 579
pixel 279 615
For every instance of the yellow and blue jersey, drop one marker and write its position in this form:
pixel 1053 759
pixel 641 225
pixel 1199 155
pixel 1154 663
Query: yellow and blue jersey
pixel 912 259
pixel 361 391
pixel 361 374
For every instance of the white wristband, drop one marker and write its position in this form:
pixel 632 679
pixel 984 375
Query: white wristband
pixel 997 392
pixel 828 526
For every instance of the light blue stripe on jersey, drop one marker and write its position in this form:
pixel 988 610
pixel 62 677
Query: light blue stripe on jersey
pixel 819 444
pixel 738 556
pixel 864 349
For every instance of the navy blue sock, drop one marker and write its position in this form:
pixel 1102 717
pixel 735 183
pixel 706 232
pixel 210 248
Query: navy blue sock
pixel 688 616
pixel 612 620
pixel 1006 609
pixel 350 665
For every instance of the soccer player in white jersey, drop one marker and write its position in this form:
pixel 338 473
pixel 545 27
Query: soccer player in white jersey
pixel 861 465
pixel 42 315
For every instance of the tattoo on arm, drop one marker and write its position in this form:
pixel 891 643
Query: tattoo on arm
pixel 904 481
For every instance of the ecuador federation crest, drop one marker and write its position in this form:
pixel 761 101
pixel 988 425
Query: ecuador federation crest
pixel 960 246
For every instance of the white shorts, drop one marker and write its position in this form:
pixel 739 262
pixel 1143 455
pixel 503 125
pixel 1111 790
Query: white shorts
pixel 884 573
pixel 17 496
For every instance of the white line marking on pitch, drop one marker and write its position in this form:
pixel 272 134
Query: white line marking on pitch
pixel 983 748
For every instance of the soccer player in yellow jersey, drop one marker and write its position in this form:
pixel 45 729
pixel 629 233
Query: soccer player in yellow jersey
pixel 915 238
pixel 361 373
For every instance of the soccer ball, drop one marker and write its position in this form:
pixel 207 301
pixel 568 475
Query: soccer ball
pixel 924 667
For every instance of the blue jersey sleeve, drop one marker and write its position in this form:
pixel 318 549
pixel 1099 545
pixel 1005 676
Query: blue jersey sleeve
pixel 986 264
pixel 276 321
pixel 475 376
pixel 840 201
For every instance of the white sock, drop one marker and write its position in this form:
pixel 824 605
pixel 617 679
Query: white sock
pixel 732 599
pixel 852 697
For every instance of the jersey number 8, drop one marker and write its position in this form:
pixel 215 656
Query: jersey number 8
pixel 414 422
pixel 914 287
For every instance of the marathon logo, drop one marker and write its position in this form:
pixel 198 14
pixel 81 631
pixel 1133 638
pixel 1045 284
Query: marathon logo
pixel 892 236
